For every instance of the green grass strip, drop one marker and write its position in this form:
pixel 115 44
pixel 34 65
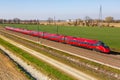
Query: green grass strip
pixel 47 68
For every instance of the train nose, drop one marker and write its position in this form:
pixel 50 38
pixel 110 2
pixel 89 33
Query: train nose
pixel 106 50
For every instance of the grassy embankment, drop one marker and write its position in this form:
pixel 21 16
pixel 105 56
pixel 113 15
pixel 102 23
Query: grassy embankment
pixel 43 66
pixel 110 36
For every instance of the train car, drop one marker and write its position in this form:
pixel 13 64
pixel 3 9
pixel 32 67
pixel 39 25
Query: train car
pixel 36 34
pixel 17 30
pixel 102 47
pixel 60 38
pixel 87 43
pixel 80 42
pixel 8 28
pixel 12 29
pixel 24 31
pixel 46 35
pixel 56 37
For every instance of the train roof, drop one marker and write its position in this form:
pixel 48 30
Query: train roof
pixel 83 39
pixel 52 34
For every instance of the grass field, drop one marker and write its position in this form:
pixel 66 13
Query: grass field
pixel 110 36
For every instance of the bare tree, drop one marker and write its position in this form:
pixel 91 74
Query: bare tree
pixel 50 20
pixel 1 21
pixel 88 21
pixel 16 20
pixel 109 19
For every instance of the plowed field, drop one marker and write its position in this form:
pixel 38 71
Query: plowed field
pixel 8 70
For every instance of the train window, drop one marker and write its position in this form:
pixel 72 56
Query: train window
pixel 53 36
pixel 72 40
pixel 95 44
pixel 66 39
pixel 86 43
pixel 92 44
pixel 101 43
pixel 82 42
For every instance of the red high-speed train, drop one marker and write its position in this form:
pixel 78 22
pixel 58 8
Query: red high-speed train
pixel 76 41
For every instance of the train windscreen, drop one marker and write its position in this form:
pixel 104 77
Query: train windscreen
pixel 102 44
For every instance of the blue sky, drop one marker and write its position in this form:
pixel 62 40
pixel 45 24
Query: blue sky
pixel 61 9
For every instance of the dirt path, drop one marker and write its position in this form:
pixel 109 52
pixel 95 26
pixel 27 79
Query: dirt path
pixel 8 70
pixel 69 70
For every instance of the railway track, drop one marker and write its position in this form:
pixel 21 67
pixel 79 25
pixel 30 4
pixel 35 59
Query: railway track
pixel 112 59
pixel 78 75
pixel 115 58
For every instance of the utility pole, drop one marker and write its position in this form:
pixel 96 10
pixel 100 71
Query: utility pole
pixel 55 24
pixel 38 29
pixel 100 16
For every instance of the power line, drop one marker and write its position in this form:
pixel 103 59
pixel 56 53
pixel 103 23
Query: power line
pixel 55 24
pixel 100 16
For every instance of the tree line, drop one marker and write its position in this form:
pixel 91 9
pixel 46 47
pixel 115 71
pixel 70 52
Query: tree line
pixel 86 22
